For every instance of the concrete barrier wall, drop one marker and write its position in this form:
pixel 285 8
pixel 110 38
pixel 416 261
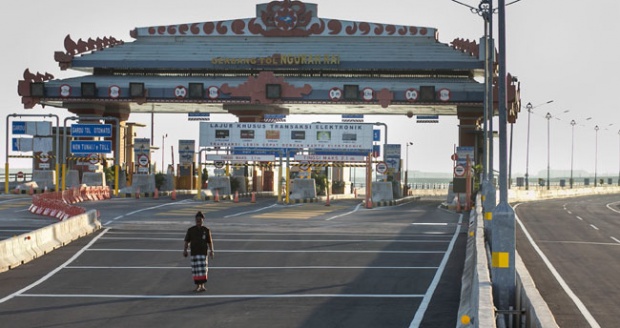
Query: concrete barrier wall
pixel 303 189
pixel 522 195
pixel 72 179
pixel 28 246
pixel 143 182
pixel 382 191
pixel 221 184
pixel 477 291
pixel 537 312
pixel 44 178
pixel 93 179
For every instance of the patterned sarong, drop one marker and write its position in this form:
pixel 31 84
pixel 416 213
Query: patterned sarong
pixel 199 268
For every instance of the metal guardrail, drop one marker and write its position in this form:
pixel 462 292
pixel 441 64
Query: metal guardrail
pixel 16 178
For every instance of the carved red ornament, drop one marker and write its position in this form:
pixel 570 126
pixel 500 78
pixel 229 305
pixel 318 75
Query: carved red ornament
pixel 283 18
pixel 385 97
pixel 254 88
pixel 466 46
pixel 73 48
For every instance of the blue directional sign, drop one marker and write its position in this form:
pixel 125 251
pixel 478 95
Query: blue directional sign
pixel 376 151
pixel 91 130
pixel 19 127
pixel 263 151
pixel 91 147
pixel 15 144
pixel 376 135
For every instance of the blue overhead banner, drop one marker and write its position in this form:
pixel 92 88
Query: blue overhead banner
pixel 263 151
pixel 91 130
pixel 91 147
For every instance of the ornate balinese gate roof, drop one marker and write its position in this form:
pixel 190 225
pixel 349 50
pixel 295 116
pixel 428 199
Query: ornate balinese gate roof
pixel 286 60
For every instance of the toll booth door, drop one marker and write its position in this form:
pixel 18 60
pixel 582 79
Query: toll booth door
pixel 268 181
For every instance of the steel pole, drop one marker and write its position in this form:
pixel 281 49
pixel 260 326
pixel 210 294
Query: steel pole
pixel 527 149
pixel 572 151
pixel 548 117
pixel 596 155
pixel 503 236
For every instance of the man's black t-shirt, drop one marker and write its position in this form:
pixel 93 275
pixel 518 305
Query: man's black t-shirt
pixel 199 239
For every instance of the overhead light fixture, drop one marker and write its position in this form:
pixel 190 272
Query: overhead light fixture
pixel 37 89
pixel 196 90
pixel 274 91
pixel 136 90
pixel 351 92
pixel 88 89
pixel 427 93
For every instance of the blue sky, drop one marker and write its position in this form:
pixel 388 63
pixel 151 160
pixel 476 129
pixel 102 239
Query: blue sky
pixel 560 51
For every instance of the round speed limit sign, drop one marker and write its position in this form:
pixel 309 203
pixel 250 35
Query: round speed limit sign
pixel 382 167
pixel 143 160
pixel 459 170
pixel 219 164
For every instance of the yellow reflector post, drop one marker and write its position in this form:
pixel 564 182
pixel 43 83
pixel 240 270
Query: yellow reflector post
pixel 500 259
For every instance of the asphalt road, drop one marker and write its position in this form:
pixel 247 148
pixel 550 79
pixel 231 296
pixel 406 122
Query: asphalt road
pixel 305 265
pixel 575 257
pixel 15 219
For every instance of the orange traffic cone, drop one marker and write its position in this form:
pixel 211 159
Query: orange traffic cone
pixel 458 205
pixel 138 194
pixel 156 194
pixel 236 199
pixel 31 191
pixel 173 195
pixel 253 197
pixel 327 201
pixel 217 196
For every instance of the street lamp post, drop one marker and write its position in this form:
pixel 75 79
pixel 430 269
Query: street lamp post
pixel 572 151
pixel 527 151
pixel 596 128
pixel 406 185
pixel 548 117
pixel 163 151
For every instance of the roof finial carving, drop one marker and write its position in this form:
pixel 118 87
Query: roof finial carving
pixel 73 48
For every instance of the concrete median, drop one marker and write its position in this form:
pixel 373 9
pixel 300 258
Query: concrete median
pixel 28 246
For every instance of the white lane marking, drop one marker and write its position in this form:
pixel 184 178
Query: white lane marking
pixel 584 311
pixel 431 224
pixel 256 268
pixel 569 212
pixel 290 240
pixel 345 214
pixel 264 251
pixel 609 206
pixel 419 315
pixel 142 210
pixel 615 239
pixel 594 227
pixel 53 272
pixel 579 217
pixel 248 212
pixel 15 200
pixel 194 296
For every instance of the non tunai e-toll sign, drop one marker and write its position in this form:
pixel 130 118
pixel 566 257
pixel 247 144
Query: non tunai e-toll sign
pixel 341 136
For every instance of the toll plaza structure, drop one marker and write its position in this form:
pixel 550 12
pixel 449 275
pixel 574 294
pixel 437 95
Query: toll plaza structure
pixel 287 60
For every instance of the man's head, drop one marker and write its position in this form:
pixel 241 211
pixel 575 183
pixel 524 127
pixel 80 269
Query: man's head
pixel 199 219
